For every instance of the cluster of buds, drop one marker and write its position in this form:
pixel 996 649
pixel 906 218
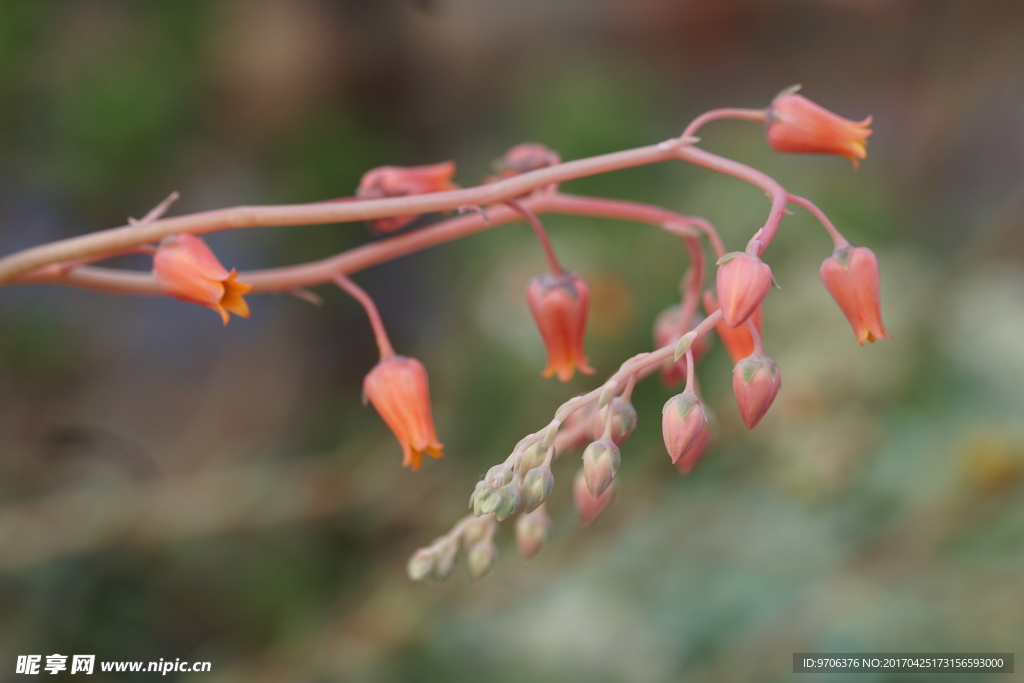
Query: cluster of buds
pixel 733 308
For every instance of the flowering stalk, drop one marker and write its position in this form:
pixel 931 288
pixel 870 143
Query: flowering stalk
pixel 527 186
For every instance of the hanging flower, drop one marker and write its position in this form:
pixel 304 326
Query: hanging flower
pixel 850 275
pixel 397 388
pixel 559 304
pixel 187 270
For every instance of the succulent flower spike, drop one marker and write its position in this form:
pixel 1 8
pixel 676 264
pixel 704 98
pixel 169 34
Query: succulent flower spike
pixel 850 275
pixel 397 388
pixel 743 282
pixel 401 181
pixel 737 340
pixel 187 270
pixel 795 124
pixel 560 304
pixel 755 382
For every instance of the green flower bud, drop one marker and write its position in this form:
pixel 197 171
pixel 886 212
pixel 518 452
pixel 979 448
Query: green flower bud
pixel 537 487
pixel 480 559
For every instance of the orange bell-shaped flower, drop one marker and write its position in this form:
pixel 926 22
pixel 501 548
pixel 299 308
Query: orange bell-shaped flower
pixel 850 275
pixel 560 304
pixel 795 124
pixel 397 388
pixel 187 270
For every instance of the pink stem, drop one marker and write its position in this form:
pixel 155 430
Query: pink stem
pixel 545 242
pixel 778 195
pixel 758 344
pixel 290 278
pixel 689 369
pixel 756 115
pixel 360 295
pixel 837 238
pixel 328 211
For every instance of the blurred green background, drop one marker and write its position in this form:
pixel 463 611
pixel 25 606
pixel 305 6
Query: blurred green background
pixel 173 489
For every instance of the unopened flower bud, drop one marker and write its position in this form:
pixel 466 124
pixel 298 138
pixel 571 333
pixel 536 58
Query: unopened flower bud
pixel 480 559
pixel 537 486
pixel 421 564
pixel 743 282
pixel 623 420
pixel 683 419
pixel 446 550
pixel 477 491
pixel 533 531
pixel 486 502
pixel 588 505
pixel 511 502
pixel 534 456
pixel 601 461
pixel 499 475
pixel 755 382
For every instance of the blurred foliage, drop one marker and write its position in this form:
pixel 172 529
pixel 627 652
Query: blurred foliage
pixel 171 489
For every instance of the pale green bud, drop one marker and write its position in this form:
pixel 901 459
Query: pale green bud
pixel 537 487
pixel 480 559
pixel 511 502
pixel 421 564
pixel 601 462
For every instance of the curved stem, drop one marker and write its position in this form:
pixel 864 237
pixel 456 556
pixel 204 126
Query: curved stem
pixel 360 295
pixel 545 242
pixel 756 115
pixel 776 193
pixel 756 336
pixel 837 238
pixel 689 370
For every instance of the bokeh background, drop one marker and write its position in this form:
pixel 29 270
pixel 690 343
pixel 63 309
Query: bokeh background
pixel 173 489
